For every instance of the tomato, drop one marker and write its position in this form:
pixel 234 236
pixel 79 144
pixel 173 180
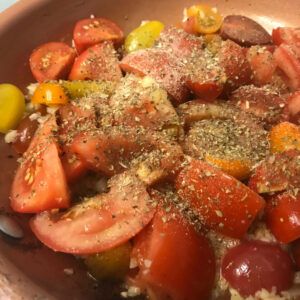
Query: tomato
pixel 286 35
pixel 99 223
pixel 51 61
pixel 232 58
pixel 266 104
pixel 49 94
pixel 212 194
pixel 283 216
pixel 288 60
pixel 255 265
pixel 98 62
pixel 89 32
pixel 296 253
pixel 277 173
pixel 174 261
pixel 40 183
pixel 208 20
pixel 12 107
pixel 189 25
pixel 293 107
pixel 160 65
pixel 143 36
pixel 262 63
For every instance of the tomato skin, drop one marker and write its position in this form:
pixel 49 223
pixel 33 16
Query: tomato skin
pixel 212 194
pixel 189 25
pixel 89 32
pixel 293 107
pixel 286 35
pixel 49 94
pixel 254 265
pixel 182 262
pixel 51 61
pixel 73 167
pixel 40 183
pixel 296 253
pixel 98 62
pixel 283 216
pixel 100 223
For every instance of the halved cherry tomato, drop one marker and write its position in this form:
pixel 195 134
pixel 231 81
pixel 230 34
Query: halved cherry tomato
pixel 213 194
pixel 208 20
pixel 283 216
pixel 189 25
pixel 284 136
pixel 288 60
pixel 49 94
pixel 40 183
pixel 98 62
pixel 100 223
pixel 89 32
pixel 51 61
pixel 255 265
pixel 174 261
pixel 290 36
pixel 277 173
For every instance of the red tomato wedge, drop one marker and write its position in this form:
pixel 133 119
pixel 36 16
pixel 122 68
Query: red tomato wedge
pixel 175 262
pixel 262 63
pixel 73 167
pixel 89 32
pixel 277 173
pixel 213 194
pixel 293 107
pixel 160 65
pixel 283 216
pixel 98 62
pixel 51 61
pixel 287 58
pixel 40 183
pixel 99 223
pixel 286 35
pixel 255 265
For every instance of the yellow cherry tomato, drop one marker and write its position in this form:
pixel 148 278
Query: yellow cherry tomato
pixel 110 265
pixel 144 36
pixel 208 20
pixel 49 94
pixel 12 107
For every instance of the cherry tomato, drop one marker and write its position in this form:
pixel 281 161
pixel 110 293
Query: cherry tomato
pixel 40 183
pixel 212 194
pixel 51 61
pixel 208 20
pixel 296 253
pixel 12 107
pixel 89 32
pixel 286 35
pixel 283 216
pixel 49 94
pixel 98 62
pixel 174 261
pixel 255 265
pixel 99 223
pixel 143 36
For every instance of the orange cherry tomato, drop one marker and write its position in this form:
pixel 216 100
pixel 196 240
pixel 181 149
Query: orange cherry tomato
pixel 49 94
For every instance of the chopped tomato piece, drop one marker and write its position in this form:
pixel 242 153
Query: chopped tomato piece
pixel 277 173
pixel 265 103
pixel 189 25
pixel 293 107
pixel 89 32
pixel 255 265
pixel 284 136
pixel 98 62
pixel 283 216
pixel 286 35
pixel 100 223
pixel 161 66
pixel 174 261
pixel 73 167
pixel 40 183
pixel 49 94
pixel 288 60
pixel 213 194
pixel 51 61
pixel 262 63
pixel 233 59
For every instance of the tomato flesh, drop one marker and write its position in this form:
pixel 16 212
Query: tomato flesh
pixel 100 223
pixel 51 61
pixel 256 265
pixel 212 194
pixel 175 262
